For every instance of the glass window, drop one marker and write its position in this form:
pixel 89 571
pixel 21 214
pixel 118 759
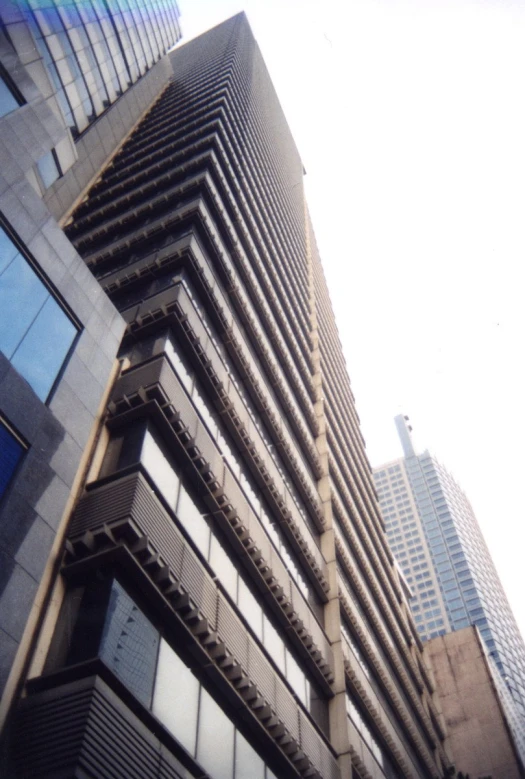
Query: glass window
pixel 129 644
pixel 48 168
pixel 8 101
pixel 160 469
pixel 44 347
pixel 248 764
pixel 192 520
pixel 35 333
pixel 274 644
pixel 215 739
pixel 180 369
pixel 11 451
pixel 250 609
pixel 22 296
pixel 109 625
pixel 296 677
pixel 176 697
pixel 223 568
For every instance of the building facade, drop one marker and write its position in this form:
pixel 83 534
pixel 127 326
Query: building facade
pixel 59 332
pixel 226 604
pixel 483 735
pixel 450 571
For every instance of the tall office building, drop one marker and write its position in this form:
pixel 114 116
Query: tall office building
pixel 67 99
pixel 226 604
pixel 436 538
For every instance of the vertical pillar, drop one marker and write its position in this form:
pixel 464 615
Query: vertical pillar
pixel 332 615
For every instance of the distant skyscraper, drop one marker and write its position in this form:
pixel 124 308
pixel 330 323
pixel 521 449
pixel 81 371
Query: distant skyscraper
pixel 437 541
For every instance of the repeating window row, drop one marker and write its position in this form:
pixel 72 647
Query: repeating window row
pixel 109 625
pixel 141 444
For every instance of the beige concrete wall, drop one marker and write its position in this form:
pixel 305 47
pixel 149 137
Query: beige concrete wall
pixel 478 737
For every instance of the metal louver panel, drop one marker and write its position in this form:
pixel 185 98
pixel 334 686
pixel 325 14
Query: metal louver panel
pixel 84 729
pixel 128 510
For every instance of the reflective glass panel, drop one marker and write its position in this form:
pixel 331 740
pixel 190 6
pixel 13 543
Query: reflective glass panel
pixel 176 698
pixel 48 169
pixel 8 250
pixel 41 353
pixel 8 101
pixel 22 295
pixel 35 332
pixel 129 644
pixel 215 739
pixel 11 450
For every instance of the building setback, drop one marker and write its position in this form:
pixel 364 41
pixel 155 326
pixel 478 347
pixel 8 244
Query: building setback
pixel 436 538
pixel 227 604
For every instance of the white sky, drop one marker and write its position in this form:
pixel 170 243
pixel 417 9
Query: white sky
pixel 410 119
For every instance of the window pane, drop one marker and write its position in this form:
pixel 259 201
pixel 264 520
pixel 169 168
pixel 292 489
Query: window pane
pixel 48 169
pixel 176 697
pixel 7 250
pixel 248 764
pixel 44 348
pixel 274 644
pixel 296 677
pixel 223 568
pixel 35 332
pixel 11 450
pixel 192 520
pixel 215 740
pixel 180 369
pixel 160 469
pixel 250 609
pixel 8 102
pixel 129 644
pixel 22 295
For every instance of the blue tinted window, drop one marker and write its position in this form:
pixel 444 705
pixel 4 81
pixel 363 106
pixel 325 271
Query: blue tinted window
pixel 7 251
pixel 11 451
pixel 35 332
pixel 48 169
pixel 8 101
pixel 44 347
pixel 22 295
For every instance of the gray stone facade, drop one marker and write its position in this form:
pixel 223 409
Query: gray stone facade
pixel 104 137
pixel 57 432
